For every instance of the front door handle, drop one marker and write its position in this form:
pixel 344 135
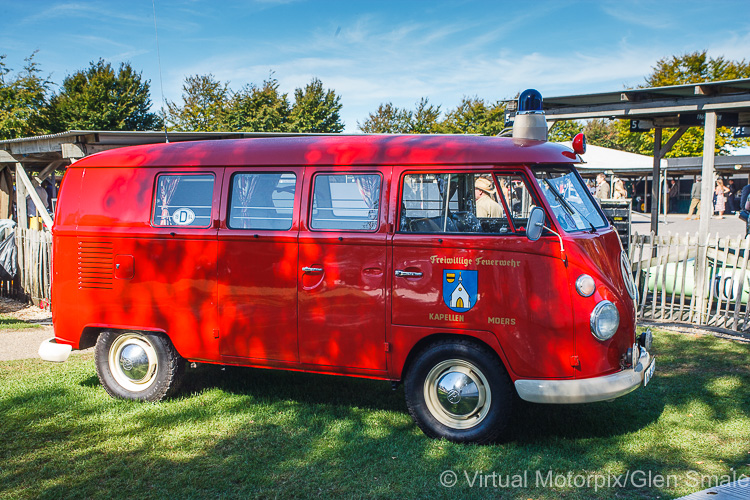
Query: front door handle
pixel 312 269
pixel 408 274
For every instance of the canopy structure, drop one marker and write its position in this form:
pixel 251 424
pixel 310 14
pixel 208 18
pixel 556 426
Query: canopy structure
pixel 711 104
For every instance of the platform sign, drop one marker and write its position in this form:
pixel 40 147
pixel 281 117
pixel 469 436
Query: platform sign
pixel 641 125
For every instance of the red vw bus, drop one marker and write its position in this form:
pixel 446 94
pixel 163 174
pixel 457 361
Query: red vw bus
pixel 468 268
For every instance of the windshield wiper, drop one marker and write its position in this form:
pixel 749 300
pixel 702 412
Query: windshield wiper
pixel 567 206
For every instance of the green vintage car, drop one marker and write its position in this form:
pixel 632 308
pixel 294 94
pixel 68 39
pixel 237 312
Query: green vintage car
pixel 724 277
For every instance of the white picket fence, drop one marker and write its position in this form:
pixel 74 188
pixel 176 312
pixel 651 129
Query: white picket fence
pixel 35 265
pixel 670 289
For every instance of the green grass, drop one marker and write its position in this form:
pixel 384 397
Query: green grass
pixel 9 323
pixel 256 433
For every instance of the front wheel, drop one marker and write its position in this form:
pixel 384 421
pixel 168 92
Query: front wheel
pixel 459 391
pixel 138 365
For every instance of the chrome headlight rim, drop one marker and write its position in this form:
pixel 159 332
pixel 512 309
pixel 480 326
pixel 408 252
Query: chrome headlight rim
pixel 627 274
pixel 596 315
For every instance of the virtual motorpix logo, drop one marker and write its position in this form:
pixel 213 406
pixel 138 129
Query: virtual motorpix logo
pixel 596 481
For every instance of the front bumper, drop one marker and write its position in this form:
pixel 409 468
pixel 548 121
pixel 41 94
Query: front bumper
pixel 586 390
pixel 50 350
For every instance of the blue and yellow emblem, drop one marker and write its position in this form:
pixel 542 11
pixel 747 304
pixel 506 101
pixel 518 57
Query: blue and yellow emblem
pixel 459 289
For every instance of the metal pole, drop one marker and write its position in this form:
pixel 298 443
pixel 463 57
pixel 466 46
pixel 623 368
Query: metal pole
pixel 655 182
pixel 706 211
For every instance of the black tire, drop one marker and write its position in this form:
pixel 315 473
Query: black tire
pixel 483 386
pixel 138 365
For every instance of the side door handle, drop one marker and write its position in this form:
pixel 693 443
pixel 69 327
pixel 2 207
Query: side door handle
pixel 408 274
pixel 312 269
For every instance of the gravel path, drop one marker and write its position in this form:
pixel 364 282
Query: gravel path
pixel 23 344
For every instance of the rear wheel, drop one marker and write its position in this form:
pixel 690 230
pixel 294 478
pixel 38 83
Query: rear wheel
pixel 459 391
pixel 138 365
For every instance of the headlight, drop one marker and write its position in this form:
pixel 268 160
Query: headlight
pixel 627 274
pixel 585 285
pixel 605 319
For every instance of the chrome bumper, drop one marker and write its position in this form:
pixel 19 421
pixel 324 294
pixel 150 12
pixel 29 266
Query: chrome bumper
pixel 50 350
pixel 586 390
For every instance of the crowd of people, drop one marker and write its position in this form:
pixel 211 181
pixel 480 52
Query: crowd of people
pixel 727 198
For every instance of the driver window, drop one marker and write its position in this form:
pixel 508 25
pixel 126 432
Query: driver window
pixel 452 203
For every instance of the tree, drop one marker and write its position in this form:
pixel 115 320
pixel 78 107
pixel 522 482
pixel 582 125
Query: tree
pixel 389 119
pixel 474 116
pixel 424 119
pixel 23 101
pixel 565 130
pixel 316 109
pixel 204 107
pixel 259 109
pixel 101 98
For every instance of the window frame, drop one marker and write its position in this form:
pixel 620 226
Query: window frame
pixel 513 230
pixel 230 194
pixel 311 209
pixel 155 200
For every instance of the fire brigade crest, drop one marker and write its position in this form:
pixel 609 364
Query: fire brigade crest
pixel 459 289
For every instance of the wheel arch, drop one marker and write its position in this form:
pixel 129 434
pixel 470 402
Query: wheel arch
pixel 91 333
pixel 424 343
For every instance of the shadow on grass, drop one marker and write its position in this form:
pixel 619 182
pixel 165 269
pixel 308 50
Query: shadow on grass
pixel 261 433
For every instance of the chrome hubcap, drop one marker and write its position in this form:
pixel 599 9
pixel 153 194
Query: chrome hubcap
pixel 133 361
pixel 457 394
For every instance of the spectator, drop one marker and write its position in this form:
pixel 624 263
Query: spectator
pixel 732 197
pixel 620 192
pixel 695 199
pixel 721 197
pixel 674 191
pixel 602 187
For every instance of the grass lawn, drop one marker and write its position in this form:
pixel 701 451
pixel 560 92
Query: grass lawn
pixel 257 433
pixel 10 323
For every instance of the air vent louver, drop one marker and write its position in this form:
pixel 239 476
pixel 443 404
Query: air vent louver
pixel 95 267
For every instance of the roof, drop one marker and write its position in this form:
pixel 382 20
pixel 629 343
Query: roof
pixel 337 150
pixel 602 159
pixel 665 104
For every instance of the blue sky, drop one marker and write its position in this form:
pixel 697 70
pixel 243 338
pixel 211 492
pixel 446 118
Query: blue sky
pixel 374 52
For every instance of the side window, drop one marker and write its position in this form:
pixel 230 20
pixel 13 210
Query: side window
pixel 452 203
pixel 183 200
pixel 346 202
pixel 262 201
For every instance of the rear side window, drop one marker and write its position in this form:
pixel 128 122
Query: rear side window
pixel 346 202
pixel 262 201
pixel 183 200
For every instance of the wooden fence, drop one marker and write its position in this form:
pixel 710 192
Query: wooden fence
pixel 34 265
pixel 670 288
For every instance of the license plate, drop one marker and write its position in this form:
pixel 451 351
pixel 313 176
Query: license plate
pixel 649 372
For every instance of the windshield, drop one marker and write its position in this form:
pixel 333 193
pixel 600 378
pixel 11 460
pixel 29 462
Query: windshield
pixel 571 202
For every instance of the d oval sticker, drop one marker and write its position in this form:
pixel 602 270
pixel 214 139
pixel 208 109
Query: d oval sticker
pixel 183 216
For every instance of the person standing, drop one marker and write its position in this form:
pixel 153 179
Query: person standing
pixel 620 192
pixel 602 187
pixel 732 197
pixel 695 199
pixel 721 197
pixel 674 191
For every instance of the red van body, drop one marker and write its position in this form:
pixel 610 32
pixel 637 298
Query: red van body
pixel 366 303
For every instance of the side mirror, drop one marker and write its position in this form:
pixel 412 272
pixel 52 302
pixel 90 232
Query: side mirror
pixel 535 224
